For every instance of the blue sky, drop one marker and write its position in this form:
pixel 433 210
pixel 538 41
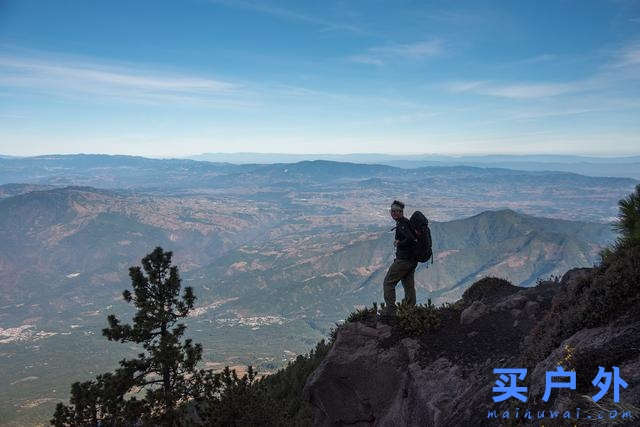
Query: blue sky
pixel 174 78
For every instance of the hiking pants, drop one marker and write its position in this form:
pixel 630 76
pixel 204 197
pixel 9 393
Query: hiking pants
pixel 401 269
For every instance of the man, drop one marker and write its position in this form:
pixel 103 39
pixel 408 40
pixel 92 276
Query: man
pixel 404 265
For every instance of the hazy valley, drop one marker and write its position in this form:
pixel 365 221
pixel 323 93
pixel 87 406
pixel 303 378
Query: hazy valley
pixel 276 253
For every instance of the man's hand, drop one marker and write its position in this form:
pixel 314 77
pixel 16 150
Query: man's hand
pixel 395 242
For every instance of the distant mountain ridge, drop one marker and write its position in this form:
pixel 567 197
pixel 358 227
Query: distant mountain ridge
pixel 379 157
pixel 105 171
pixel 627 166
pixel 10 190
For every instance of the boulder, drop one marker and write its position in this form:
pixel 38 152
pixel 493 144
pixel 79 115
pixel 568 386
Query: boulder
pixel 361 382
pixel 472 313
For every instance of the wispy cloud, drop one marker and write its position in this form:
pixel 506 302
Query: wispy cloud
pixel 132 83
pixel 290 15
pixel 418 116
pixel 516 90
pixel 629 55
pixel 282 92
pixel 380 55
pixel 545 57
pixel 522 90
pixel 531 90
pixel 619 66
pixel 95 80
pixel 366 59
pixel 124 78
pixel 562 109
pixel 464 86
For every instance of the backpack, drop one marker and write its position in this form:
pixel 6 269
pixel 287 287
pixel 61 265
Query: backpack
pixel 420 227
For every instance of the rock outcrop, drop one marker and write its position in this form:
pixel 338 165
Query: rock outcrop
pixel 374 375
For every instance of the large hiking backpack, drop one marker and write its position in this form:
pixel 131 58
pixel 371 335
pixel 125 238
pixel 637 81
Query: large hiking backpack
pixel 420 227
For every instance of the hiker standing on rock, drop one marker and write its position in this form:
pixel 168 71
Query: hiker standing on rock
pixel 404 265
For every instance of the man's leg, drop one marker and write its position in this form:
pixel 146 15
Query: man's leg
pixel 408 285
pixel 394 274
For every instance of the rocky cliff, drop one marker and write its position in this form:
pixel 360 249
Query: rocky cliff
pixel 378 375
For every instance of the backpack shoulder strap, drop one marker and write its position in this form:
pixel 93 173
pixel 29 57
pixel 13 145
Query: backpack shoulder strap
pixel 406 229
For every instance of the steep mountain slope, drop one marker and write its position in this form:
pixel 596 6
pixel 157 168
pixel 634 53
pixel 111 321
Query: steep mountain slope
pixel 331 273
pixel 54 238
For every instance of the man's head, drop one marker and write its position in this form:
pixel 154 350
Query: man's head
pixel 397 210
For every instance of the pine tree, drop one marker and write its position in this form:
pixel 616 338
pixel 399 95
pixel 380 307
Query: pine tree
pixel 628 223
pixel 166 370
pixel 175 392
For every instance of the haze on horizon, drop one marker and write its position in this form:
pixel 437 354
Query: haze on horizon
pixel 228 76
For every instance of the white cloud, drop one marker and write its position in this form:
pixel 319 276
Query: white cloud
pixel 379 55
pixel 464 86
pixel 131 83
pixel 289 15
pixel 531 90
pixel 545 57
pixel 366 59
pixel 621 68
pixel 517 90
pixel 630 55
pixel 413 50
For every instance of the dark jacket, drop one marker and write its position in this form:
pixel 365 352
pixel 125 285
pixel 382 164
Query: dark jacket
pixel 406 240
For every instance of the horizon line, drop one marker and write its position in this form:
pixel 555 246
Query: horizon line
pixel 389 154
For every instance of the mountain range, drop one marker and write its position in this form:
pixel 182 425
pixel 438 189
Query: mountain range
pixel 260 303
pixel 358 190
pixel 628 166
pixel 276 253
